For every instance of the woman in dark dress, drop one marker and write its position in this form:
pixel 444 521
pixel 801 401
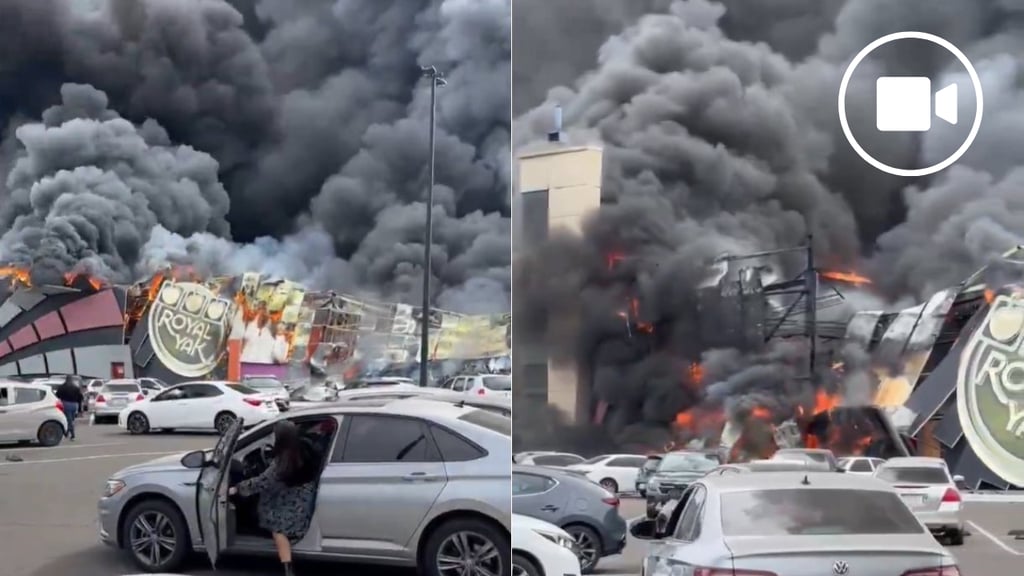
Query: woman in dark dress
pixel 287 490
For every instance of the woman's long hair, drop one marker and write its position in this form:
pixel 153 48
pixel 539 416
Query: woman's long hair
pixel 289 453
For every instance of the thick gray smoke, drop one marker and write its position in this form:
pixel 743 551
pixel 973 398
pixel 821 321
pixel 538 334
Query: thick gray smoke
pixel 720 135
pixel 310 118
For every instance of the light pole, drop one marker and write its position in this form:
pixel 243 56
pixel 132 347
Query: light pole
pixel 436 79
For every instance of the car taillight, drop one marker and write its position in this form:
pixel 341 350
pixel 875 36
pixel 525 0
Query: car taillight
pixel 481 392
pixel 730 572
pixel 140 397
pixel 100 398
pixel 60 405
pixel 253 401
pixel 614 502
pixel 951 495
pixel 936 571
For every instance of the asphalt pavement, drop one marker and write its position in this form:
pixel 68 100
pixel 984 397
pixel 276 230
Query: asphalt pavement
pixel 988 551
pixel 48 509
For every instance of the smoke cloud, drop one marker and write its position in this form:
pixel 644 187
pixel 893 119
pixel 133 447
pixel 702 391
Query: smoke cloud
pixel 720 136
pixel 259 135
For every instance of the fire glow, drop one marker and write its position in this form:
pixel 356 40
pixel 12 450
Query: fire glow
pixel 846 277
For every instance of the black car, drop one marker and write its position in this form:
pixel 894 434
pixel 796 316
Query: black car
pixel 674 474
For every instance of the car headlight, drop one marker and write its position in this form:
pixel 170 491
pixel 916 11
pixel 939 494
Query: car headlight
pixel 112 487
pixel 652 484
pixel 560 539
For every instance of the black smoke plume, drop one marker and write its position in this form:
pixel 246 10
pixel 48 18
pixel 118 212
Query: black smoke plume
pixel 267 135
pixel 720 136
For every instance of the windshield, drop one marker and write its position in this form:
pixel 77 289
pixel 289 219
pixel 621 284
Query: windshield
pixel 263 383
pixel 821 512
pixel 122 388
pixel 688 463
pixel 242 389
pixel 489 420
pixel 921 475
pixel 499 383
pixel 652 464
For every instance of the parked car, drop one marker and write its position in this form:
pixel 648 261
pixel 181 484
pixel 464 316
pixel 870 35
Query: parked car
pixel 798 465
pixel 201 405
pixel 588 512
pixel 675 472
pixel 481 385
pixel 860 464
pixel 540 548
pixel 381 382
pixel 926 486
pixel 272 387
pixel 822 459
pixel 549 459
pixel 113 397
pixel 612 471
pixel 30 413
pixel 799 523
pixel 650 465
pixel 449 463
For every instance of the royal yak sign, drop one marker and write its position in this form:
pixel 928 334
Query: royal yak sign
pixel 990 389
pixel 188 328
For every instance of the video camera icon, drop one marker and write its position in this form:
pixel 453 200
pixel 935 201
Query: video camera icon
pixel 904 104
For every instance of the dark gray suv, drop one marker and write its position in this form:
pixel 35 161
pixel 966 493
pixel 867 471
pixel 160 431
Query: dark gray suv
pixel 588 512
pixel 674 474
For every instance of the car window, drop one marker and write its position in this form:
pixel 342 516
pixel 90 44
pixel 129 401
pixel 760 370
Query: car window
pixel 860 465
pixel 203 391
pixel 595 460
pixel 529 484
pixel 176 393
pixel 689 523
pixel 489 420
pixel 821 511
pixel 919 475
pixel 455 448
pixel 263 383
pixel 148 385
pixel 688 462
pixel 459 385
pixel 28 395
pixel 557 460
pixel 5 396
pixel 651 464
pixel 387 439
pixel 498 383
pixel 627 462
pixel 121 388
pixel 242 388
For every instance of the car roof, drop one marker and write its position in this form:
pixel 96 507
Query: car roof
pixel 123 381
pixel 553 472
pixel 29 385
pixel 783 480
pixel 770 465
pixel 416 406
pixel 915 462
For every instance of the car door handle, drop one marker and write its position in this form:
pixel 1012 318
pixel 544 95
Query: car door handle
pixel 189 483
pixel 417 477
pixel 549 508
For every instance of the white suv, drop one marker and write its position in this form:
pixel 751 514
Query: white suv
pixel 499 385
pixel 30 413
pixel 930 492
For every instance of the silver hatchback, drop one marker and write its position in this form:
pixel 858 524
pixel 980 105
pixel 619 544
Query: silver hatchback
pixel 407 482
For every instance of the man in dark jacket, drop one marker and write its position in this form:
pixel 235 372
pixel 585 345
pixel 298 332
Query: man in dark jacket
pixel 71 397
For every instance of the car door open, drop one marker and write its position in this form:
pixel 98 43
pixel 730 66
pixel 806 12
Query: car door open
pixel 212 504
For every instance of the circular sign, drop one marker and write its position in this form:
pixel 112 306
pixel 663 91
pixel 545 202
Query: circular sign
pixel 978 112
pixel 188 325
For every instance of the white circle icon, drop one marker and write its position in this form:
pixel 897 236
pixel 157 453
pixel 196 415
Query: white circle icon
pixel 919 123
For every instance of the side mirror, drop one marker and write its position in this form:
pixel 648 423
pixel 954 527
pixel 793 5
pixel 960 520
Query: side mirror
pixel 961 484
pixel 195 459
pixel 643 529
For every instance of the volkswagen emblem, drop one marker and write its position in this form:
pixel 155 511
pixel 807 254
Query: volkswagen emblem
pixel 840 568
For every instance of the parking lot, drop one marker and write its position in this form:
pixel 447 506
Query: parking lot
pixel 987 552
pixel 49 499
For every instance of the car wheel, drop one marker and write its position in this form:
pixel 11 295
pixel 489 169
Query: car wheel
pixel 588 544
pixel 50 433
pixel 154 533
pixel 223 421
pixel 610 485
pixel 138 423
pixel 523 566
pixel 467 546
pixel 956 538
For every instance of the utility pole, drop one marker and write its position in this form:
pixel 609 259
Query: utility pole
pixel 436 79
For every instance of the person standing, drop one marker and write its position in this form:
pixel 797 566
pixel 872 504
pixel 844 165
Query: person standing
pixel 71 397
pixel 287 490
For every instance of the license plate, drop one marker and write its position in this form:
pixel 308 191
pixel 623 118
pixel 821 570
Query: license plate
pixel 118 402
pixel 913 499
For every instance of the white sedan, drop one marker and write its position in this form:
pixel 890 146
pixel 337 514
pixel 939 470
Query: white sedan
pixel 615 472
pixel 206 405
pixel 542 548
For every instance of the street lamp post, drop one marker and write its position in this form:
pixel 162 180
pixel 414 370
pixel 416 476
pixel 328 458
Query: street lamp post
pixel 436 79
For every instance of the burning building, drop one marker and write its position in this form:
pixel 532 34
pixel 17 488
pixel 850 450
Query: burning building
pixel 178 326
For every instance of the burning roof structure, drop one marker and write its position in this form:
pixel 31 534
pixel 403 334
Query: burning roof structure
pixel 178 325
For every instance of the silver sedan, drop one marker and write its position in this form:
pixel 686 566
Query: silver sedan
pixel 405 482
pixel 793 524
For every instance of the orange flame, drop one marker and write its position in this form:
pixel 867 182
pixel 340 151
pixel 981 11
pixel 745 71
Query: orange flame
pixel 823 402
pixel 990 295
pixel 613 258
pixel 847 277
pixel 16 275
pixel 696 373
